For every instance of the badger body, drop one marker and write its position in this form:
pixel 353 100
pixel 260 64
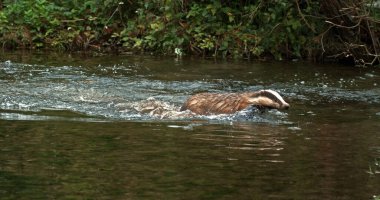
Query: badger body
pixel 229 103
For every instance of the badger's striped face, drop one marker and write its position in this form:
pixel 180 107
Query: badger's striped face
pixel 269 99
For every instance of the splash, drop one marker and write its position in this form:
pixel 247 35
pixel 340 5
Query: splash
pixel 155 91
pixel 152 108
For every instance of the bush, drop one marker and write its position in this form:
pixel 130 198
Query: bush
pixel 277 29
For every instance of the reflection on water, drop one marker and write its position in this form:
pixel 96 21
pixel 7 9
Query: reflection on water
pixel 134 160
pixel 125 160
pixel 74 127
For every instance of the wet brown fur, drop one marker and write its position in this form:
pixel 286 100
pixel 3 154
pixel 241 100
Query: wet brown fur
pixel 228 103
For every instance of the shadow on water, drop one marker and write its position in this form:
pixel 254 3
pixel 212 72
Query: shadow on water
pixel 109 127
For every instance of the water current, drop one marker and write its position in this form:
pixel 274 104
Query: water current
pixel 109 127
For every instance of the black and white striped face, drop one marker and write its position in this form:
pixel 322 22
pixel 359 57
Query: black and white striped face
pixel 269 99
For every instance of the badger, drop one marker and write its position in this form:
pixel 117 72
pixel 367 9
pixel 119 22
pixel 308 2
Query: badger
pixel 229 103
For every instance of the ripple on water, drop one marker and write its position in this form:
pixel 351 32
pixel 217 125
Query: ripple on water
pixel 123 92
pixel 73 88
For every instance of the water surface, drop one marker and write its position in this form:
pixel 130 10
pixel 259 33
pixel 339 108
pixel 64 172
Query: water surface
pixel 109 127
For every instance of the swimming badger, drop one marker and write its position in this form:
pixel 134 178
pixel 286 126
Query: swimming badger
pixel 229 103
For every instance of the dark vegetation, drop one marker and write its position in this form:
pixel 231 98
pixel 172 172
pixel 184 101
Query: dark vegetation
pixel 253 29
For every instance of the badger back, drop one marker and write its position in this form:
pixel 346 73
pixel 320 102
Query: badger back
pixel 213 103
pixel 228 103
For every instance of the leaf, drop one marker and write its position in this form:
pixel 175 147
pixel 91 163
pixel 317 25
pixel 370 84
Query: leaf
pixel 224 45
pixel 231 17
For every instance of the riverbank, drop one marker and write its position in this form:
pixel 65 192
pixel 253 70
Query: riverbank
pixel 277 29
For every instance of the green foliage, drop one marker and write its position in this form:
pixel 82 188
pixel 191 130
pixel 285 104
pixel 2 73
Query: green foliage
pixel 37 18
pixel 373 10
pixel 241 28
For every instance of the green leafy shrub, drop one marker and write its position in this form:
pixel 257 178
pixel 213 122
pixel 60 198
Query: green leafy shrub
pixel 241 28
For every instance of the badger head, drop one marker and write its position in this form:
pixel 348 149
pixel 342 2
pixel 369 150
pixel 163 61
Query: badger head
pixel 267 99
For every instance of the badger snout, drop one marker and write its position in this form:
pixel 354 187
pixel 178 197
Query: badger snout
pixel 285 106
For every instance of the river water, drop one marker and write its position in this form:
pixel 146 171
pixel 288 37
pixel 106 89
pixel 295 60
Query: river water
pixel 109 127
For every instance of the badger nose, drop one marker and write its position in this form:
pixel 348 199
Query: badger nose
pixel 285 106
